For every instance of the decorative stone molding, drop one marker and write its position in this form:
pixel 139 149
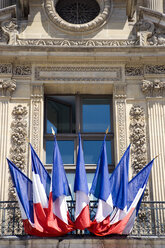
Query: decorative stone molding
pixel 18 144
pixel 77 73
pixel 155 69
pixel 7 86
pixel 100 20
pixel 10 29
pixel 134 71
pixel 138 138
pixel 36 96
pixel 153 88
pixel 22 70
pixel 77 43
pixel 5 68
pixel 119 94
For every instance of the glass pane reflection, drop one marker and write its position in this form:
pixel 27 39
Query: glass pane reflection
pixel 66 149
pixel 96 115
pixel 92 150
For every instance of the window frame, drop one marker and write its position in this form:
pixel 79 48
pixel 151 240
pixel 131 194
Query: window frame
pixel 78 125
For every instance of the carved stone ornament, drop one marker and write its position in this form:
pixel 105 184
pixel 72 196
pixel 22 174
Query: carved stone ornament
pixel 5 68
pixel 134 71
pixel 7 86
pixel 153 88
pixel 138 138
pixel 119 94
pixel 10 29
pixel 22 70
pixel 105 9
pixel 77 43
pixel 144 30
pixel 37 96
pixel 18 144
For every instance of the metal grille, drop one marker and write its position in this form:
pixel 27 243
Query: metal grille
pixel 77 11
pixel 150 220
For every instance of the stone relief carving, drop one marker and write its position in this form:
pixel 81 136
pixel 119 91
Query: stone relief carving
pixel 37 95
pixel 153 88
pixel 138 138
pixel 134 71
pixel 10 29
pixel 7 86
pixel 18 145
pixel 5 68
pixel 119 97
pixel 142 70
pixel 105 9
pixel 155 69
pixel 139 153
pixel 77 43
pixel 22 70
pixel 144 30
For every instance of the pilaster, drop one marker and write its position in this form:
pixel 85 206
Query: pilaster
pixel 156 5
pixel 119 98
pixel 155 92
pixel 36 133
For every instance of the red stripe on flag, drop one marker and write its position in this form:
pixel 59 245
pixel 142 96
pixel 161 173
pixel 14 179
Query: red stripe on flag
pixel 83 220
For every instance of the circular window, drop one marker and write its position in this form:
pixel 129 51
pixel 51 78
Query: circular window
pixel 77 11
pixel 77 16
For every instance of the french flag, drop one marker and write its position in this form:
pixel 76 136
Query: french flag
pixel 24 192
pixel 41 189
pixel 101 190
pixel 82 215
pixel 136 188
pixel 119 188
pixel 117 193
pixel 58 219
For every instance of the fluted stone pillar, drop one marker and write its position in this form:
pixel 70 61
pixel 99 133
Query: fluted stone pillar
pixel 156 5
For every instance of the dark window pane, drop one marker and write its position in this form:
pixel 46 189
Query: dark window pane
pixel 60 112
pixel 66 149
pixel 92 150
pixel 96 115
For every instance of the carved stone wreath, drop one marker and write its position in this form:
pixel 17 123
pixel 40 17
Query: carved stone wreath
pixel 100 20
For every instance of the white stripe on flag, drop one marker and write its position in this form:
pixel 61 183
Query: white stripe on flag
pixel 60 208
pixel 82 200
pixel 39 194
pixel 104 209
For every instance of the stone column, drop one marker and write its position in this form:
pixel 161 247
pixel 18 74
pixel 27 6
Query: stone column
pixel 119 99
pixel 7 87
pixel 155 95
pixel 156 5
pixel 3 144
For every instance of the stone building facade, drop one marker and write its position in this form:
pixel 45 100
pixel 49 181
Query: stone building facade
pixel 118 54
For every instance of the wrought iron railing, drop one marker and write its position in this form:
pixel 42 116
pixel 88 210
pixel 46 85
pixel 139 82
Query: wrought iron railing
pixel 150 220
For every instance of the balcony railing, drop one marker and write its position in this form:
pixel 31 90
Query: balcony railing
pixel 150 220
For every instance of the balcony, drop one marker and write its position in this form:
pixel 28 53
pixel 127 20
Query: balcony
pixel 150 220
